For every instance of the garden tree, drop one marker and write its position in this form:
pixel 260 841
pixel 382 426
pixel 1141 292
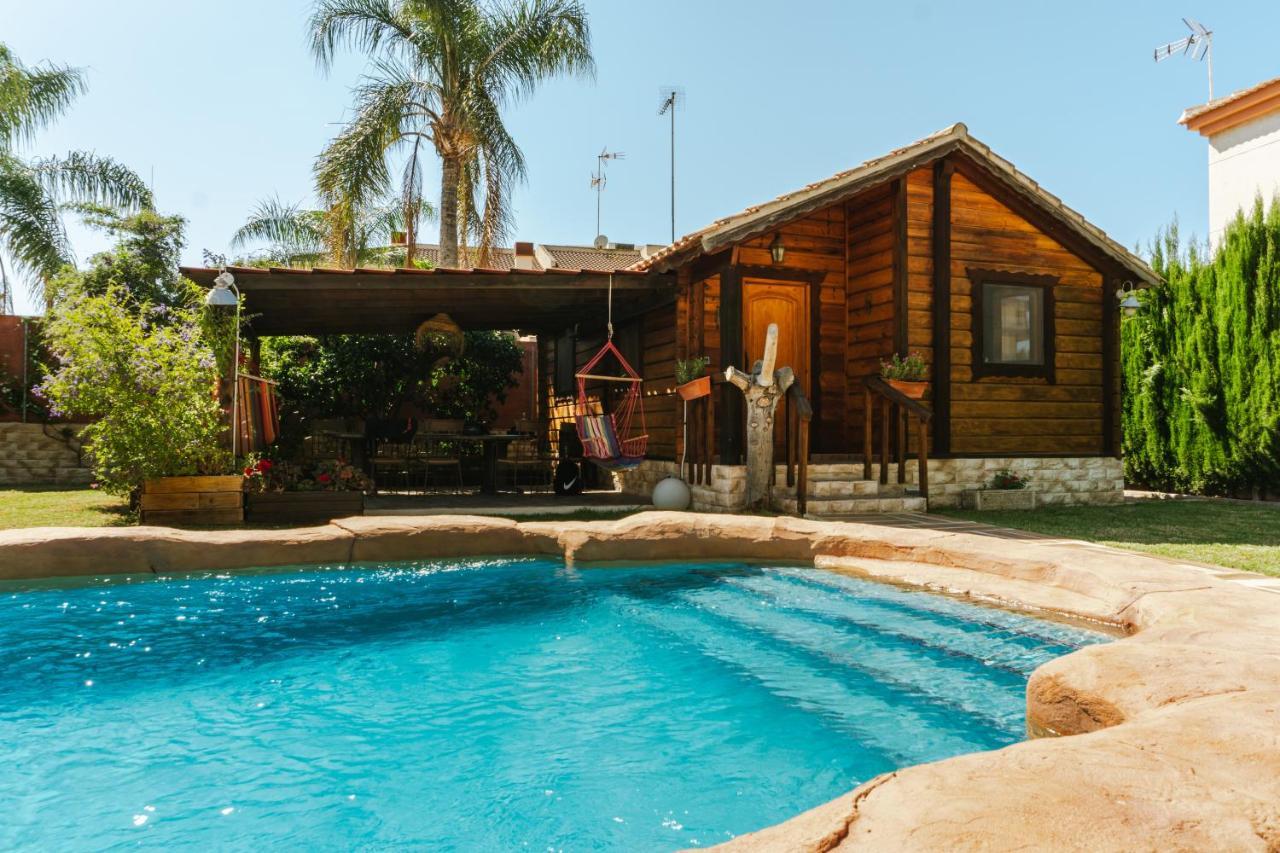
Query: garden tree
pixel 298 237
pixel 144 376
pixel 1202 364
pixel 35 192
pixel 143 262
pixel 441 72
pixel 373 376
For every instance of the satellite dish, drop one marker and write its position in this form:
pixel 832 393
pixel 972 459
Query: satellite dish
pixel 601 242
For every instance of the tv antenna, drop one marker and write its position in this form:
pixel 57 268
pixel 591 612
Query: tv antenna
pixel 1197 46
pixel 673 99
pixel 597 183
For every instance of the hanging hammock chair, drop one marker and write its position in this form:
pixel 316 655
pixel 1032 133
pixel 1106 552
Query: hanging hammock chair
pixel 607 438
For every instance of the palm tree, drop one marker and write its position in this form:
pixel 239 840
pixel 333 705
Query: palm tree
pixel 297 236
pixel 442 70
pixel 34 193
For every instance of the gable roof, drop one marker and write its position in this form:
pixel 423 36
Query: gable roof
pixel 763 217
pixel 586 257
pixel 1233 110
pixel 500 257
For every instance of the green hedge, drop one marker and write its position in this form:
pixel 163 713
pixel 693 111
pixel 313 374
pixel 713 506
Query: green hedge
pixel 1202 365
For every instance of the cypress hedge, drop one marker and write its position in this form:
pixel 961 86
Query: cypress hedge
pixel 1201 365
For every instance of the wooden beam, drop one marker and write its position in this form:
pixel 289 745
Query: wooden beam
pixel 942 171
pixel 1110 348
pixel 731 414
pixel 900 266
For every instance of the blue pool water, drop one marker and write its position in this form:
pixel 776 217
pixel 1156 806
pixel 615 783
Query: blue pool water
pixel 487 705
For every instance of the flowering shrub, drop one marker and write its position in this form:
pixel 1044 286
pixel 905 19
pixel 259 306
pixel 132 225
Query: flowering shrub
pixel 325 475
pixel 909 369
pixel 146 377
pixel 1006 479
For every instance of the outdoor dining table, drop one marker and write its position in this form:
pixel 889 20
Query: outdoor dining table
pixel 490 442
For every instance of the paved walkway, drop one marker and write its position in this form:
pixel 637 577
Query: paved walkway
pixel 925 521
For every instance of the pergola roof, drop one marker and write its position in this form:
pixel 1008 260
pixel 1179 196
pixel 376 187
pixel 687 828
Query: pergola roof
pixel 281 301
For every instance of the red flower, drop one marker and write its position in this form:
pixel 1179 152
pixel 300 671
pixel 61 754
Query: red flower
pixel 249 472
pixel 264 464
pixel 324 478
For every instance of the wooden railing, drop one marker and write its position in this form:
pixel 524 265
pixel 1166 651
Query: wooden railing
pixel 701 438
pixel 895 409
pixel 797 413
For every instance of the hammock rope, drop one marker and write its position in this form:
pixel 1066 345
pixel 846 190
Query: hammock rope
pixel 607 438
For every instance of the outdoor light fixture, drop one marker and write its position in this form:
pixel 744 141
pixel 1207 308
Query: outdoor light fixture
pixel 225 294
pixel 777 250
pixel 1129 304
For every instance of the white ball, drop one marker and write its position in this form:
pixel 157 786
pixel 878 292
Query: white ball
pixel 671 493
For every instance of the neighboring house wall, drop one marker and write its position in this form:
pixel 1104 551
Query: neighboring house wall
pixel 33 454
pixel 1244 161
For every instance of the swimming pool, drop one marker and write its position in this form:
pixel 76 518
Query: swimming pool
pixel 484 705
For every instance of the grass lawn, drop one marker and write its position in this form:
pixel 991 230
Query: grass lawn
pixel 1236 535
pixel 58 506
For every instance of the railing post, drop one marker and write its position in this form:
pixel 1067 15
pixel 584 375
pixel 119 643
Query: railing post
pixel 902 444
pixel 922 454
pixel 802 478
pixel 709 457
pixel 885 429
pixel 868 401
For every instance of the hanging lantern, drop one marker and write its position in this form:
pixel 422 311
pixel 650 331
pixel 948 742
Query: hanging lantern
pixel 777 250
pixel 442 334
pixel 1128 296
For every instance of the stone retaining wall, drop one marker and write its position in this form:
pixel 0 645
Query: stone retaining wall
pixel 1174 727
pixel 31 456
pixel 1087 480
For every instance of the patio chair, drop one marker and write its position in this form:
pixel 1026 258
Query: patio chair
pixel 393 466
pixel 436 452
pixel 529 456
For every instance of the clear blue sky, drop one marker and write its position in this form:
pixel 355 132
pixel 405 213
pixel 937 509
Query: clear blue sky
pixel 224 103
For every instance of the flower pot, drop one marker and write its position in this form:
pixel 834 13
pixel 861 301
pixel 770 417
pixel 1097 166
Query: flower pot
pixel 700 387
pixel 302 507
pixel 986 500
pixel 914 390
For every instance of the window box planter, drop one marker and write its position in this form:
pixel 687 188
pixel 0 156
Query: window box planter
pixel 212 501
pixel 698 388
pixel 1000 499
pixel 301 507
pixel 914 390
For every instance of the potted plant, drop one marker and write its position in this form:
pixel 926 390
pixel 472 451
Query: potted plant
pixel 1007 490
pixel 692 379
pixel 317 491
pixel 906 375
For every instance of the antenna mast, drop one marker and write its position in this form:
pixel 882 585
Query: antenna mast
pixel 672 100
pixel 1197 46
pixel 597 183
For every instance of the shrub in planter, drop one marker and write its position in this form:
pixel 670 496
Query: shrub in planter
pixel 146 377
pixel 906 374
pixel 1008 479
pixel 691 379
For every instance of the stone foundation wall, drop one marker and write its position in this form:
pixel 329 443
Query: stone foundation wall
pixel 727 491
pixel 1072 481
pixel 30 456
pixel 1077 481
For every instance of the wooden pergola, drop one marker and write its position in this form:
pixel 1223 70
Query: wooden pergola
pixel 283 301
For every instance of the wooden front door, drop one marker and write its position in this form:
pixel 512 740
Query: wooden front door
pixel 786 303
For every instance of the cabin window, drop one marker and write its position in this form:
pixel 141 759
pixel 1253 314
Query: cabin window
pixel 1013 326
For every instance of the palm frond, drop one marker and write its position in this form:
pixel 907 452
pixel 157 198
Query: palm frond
pixel 364 25
pixel 353 167
pixel 291 231
pixel 84 176
pixel 531 41
pixel 31 98
pixel 31 229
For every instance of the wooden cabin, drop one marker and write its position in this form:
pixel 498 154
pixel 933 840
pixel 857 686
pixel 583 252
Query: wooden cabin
pixel 941 248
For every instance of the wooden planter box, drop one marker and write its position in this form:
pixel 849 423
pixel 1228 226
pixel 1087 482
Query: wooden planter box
pixel 302 507
pixel 171 501
pixel 1001 499
pixel 914 390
